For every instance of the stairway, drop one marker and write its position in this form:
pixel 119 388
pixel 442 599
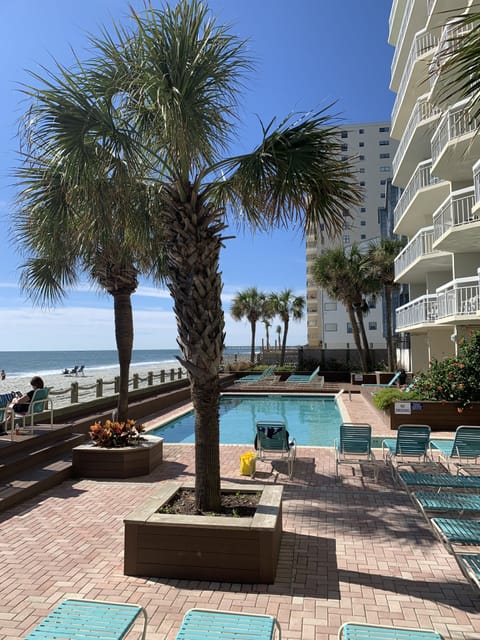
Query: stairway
pixel 36 463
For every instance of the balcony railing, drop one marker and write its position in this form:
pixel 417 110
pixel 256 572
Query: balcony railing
pixel 459 297
pixel 421 112
pixel 448 43
pixel 422 310
pixel 401 35
pixel 476 181
pixel 423 43
pixel 456 122
pixel 419 246
pixel 455 211
pixel 420 179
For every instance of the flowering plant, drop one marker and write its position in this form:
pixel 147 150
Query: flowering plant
pixel 116 434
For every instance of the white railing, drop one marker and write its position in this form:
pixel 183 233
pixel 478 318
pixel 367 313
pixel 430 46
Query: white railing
pixel 401 35
pixel 476 181
pixel 448 43
pixel 419 246
pixel 423 43
pixel 455 211
pixel 422 310
pixel 459 297
pixel 420 179
pixel 422 111
pixel 456 122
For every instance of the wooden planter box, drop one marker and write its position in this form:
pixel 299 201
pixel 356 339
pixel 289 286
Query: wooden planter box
pixel 89 461
pixel 214 548
pixel 439 416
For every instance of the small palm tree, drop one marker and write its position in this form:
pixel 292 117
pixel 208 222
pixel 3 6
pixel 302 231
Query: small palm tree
pixel 279 334
pixel 249 304
pixel 286 305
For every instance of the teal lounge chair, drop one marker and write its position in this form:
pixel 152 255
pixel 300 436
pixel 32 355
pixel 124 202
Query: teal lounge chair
pixel 92 619
pixel 411 444
pixel 363 631
pixel 444 502
pixel 438 480
pixel 227 625
pixel 39 403
pixel 456 531
pixel 354 446
pixel 390 383
pixel 469 563
pixel 272 439
pixel 298 377
pixel 258 377
pixel 463 451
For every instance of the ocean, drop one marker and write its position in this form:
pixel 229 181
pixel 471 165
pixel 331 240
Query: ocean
pixel 44 363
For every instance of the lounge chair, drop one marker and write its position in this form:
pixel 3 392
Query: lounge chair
pixel 363 631
pixel 390 383
pixel 258 377
pixel 443 502
pixel 92 619
pixel 272 439
pixel 302 379
pixel 456 531
pixel 354 446
pixel 463 451
pixel 411 444
pixel 39 403
pixel 469 563
pixel 438 480
pixel 227 625
pixel 5 399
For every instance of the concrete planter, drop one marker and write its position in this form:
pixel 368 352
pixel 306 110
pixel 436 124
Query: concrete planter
pixel 214 548
pixel 89 461
pixel 440 416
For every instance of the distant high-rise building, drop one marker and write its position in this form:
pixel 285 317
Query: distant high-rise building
pixel 328 324
pixel 436 165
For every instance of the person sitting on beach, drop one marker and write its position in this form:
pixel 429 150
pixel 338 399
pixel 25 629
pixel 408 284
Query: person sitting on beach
pixel 3 374
pixel 21 405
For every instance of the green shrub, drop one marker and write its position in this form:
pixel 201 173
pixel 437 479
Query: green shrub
pixel 385 397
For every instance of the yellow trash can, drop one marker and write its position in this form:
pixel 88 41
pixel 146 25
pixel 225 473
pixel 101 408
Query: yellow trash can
pixel 247 463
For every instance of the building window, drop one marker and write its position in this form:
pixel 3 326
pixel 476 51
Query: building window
pixel 330 306
pixel 362 183
pixel 346 213
pixel 346 239
pixel 344 147
pixel 372 303
pixel 363 236
pixel 344 134
pixel 384 143
pixel 349 328
pixel 383 182
pixel 363 223
pixel 361 131
pixel 330 326
pixel 312 310
pixel 385 169
pixel 384 155
pixel 361 144
pixel 344 157
pixel 361 170
pixel 372 325
pixel 361 157
pixel 384 129
pixel 382 195
pixel 363 209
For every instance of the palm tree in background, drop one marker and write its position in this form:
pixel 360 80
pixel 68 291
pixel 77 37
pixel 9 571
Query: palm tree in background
pixel 279 334
pixel 381 258
pixel 345 277
pixel 286 305
pixel 81 211
pixel 175 78
pixel 249 304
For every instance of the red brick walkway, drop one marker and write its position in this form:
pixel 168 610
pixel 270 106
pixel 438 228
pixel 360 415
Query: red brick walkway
pixel 353 550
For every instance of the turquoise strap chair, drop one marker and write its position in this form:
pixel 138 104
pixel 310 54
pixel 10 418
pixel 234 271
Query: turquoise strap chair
pixel 272 439
pixel 363 631
pixel 298 377
pixel 456 531
pixel 411 479
pixel 469 563
pixel 354 446
pixel 411 444
pixel 258 377
pixel 463 451
pixel 39 403
pixel 227 625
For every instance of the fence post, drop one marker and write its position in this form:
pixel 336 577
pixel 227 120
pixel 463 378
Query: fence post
pixel 162 376
pixel 117 384
pixel 150 378
pixel 99 389
pixel 74 393
pixel 136 380
pixel 179 373
pixel 172 374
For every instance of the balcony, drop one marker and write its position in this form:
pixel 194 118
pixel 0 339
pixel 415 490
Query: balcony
pixel 395 20
pixel 455 145
pixel 414 146
pixel 417 315
pixel 456 227
pixel 440 10
pixel 458 301
pixel 414 19
pixel 414 79
pixel 419 258
pixel 421 197
pixel 476 188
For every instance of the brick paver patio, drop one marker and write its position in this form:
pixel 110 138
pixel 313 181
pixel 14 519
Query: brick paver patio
pixel 353 550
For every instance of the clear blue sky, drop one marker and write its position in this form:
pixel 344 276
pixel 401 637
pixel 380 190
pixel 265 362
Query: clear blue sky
pixel 309 54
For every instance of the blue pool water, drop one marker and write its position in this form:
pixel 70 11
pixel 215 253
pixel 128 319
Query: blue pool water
pixel 312 421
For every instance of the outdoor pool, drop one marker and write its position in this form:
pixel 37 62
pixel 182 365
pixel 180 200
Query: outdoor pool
pixel 312 421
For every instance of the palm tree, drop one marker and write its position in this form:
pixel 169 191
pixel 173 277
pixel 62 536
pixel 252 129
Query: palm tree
pixel 249 304
pixel 279 334
pixel 344 276
pixel 381 258
pixel 175 75
pixel 81 211
pixel 286 305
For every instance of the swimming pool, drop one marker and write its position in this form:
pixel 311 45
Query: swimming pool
pixel 312 421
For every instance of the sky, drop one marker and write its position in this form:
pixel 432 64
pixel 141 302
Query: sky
pixel 308 54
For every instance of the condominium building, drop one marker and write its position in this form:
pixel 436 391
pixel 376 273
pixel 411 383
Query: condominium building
pixel 328 324
pixel 436 167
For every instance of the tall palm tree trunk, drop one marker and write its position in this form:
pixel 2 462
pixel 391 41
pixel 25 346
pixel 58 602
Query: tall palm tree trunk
pixel 356 337
pixel 284 342
pixel 193 242
pixel 252 343
pixel 363 334
pixel 391 359
pixel 122 305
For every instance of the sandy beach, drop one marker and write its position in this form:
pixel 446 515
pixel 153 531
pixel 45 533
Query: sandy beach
pixel 61 384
